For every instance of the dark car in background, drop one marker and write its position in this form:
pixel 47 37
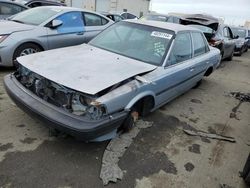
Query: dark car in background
pixel 162 18
pixel 241 41
pixel 39 3
pixel 218 35
pixel 113 16
pixel 9 8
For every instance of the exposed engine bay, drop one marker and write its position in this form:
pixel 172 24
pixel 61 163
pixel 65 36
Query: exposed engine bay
pixel 71 101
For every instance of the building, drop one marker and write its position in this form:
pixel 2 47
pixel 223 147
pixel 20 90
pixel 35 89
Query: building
pixel 247 24
pixel 136 7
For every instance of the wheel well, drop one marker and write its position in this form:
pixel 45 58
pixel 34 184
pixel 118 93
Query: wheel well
pixel 31 43
pixel 209 71
pixel 144 105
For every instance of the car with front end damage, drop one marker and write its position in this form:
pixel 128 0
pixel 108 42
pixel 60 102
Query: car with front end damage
pixel 217 34
pixel 241 41
pixel 95 90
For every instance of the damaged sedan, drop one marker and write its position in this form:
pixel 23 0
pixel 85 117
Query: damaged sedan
pixel 95 90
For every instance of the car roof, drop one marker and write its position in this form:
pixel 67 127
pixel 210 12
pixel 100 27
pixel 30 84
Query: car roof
pixel 13 2
pixel 66 9
pixel 164 25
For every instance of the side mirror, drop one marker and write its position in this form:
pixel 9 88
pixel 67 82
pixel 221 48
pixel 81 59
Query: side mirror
pixel 55 24
pixel 236 37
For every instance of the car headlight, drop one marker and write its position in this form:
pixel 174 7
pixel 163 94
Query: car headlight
pixel 83 105
pixel 96 111
pixel 3 37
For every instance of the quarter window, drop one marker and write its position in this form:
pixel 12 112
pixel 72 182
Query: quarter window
pixel 199 44
pixel 226 32
pixel 181 50
pixel 94 20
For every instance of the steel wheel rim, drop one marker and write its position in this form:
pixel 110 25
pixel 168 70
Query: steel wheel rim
pixel 28 51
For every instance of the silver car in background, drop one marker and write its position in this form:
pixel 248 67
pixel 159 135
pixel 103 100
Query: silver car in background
pixel 45 28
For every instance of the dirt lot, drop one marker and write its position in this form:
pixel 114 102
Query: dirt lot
pixel 160 156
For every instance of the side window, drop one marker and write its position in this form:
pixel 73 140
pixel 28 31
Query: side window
pixel 9 9
pixel 117 18
pixel 124 15
pixel 176 20
pixel 72 22
pixel 94 20
pixel 130 16
pixel 181 50
pixel 34 4
pixel 199 44
pixel 226 32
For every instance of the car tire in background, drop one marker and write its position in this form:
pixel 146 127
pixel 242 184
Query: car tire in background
pixel 246 171
pixel 230 58
pixel 25 49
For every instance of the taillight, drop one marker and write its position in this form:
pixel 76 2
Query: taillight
pixel 215 42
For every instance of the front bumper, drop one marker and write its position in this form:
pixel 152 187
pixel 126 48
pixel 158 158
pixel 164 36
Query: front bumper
pixel 52 116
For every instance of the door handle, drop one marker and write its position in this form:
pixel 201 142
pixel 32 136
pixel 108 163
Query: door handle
pixel 79 33
pixel 192 69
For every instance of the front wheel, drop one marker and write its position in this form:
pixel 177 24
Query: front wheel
pixel 25 49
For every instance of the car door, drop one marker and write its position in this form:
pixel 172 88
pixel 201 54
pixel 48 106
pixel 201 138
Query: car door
pixel 176 76
pixel 70 33
pixel 228 42
pixel 201 57
pixel 94 24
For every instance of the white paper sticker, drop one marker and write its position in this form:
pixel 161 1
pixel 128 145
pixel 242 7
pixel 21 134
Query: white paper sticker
pixel 161 35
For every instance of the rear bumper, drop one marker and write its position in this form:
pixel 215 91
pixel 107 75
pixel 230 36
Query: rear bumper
pixel 77 126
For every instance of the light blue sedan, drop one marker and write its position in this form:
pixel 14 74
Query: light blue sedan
pixel 130 69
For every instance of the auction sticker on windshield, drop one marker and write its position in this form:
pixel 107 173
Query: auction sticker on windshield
pixel 161 35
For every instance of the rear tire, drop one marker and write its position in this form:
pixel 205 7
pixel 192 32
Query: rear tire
pixel 25 49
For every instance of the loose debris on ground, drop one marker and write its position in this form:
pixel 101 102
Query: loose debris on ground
pixel 110 171
pixel 242 97
pixel 209 135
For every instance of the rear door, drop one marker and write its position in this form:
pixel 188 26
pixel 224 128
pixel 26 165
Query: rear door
pixel 228 42
pixel 70 33
pixel 201 56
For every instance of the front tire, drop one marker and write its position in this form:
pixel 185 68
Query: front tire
pixel 231 57
pixel 25 49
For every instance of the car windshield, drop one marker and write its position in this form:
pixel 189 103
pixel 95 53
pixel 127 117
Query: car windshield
pixel 144 43
pixel 156 18
pixel 242 33
pixel 35 16
pixel 203 28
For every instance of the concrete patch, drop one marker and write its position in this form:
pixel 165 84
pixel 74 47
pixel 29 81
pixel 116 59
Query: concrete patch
pixel 110 171
pixel 5 147
pixel 197 101
pixel 189 167
pixel 21 125
pixel 60 163
pixel 28 140
pixel 195 148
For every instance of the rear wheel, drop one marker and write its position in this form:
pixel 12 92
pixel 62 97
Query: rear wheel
pixel 25 49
